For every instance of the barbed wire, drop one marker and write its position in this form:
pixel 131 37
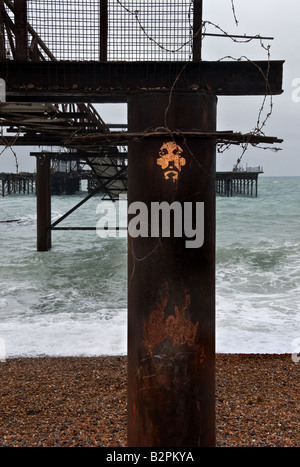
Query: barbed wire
pixel 263 113
pixel 233 12
pixel 261 122
pixel 194 35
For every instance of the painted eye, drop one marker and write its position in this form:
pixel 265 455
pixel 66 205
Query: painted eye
pixel 177 151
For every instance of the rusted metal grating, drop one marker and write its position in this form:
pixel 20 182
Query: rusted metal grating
pixel 69 28
pixel 160 30
pixel 116 30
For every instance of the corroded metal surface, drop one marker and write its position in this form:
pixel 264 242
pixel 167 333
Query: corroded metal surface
pixel 171 288
pixel 43 197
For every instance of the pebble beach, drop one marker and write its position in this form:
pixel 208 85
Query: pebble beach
pixel 81 402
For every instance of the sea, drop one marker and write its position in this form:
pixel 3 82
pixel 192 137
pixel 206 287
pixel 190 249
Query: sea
pixel 72 300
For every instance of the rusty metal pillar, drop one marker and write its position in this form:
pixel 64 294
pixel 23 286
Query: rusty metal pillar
pixel 197 30
pixel 20 10
pixel 43 194
pixel 171 278
pixel 103 30
pixel 2 34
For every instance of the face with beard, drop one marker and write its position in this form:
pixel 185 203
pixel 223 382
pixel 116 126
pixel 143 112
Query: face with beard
pixel 170 159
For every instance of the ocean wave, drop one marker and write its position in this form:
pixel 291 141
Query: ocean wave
pixel 265 255
pixel 64 337
pixel 72 300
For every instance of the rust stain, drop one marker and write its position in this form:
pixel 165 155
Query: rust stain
pixel 201 354
pixel 134 412
pixel 171 160
pixel 177 328
pixel 162 380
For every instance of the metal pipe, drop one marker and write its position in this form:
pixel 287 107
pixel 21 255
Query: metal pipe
pixel 171 286
pixel 20 10
pixel 103 30
pixel 197 31
pixel 64 216
pixel 2 33
pixel 43 193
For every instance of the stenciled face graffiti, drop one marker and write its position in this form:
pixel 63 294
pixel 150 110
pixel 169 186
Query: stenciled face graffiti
pixel 171 160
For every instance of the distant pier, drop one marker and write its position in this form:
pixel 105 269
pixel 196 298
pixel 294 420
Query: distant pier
pixel 243 182
pixel 23 183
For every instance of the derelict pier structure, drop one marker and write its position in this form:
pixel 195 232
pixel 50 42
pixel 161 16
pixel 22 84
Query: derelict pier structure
pixel 58 59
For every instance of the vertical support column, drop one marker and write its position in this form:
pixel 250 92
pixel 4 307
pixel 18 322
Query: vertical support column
pixel 43 193
pixel 171 274
pixel 197 30
pixel 103 30
pixel 2 35
pixel 21 29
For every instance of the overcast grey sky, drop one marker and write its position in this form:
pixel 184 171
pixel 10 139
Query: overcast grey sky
pixel 278 19
pixel 265 17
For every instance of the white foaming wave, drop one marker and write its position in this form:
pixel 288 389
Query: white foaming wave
pixel 27 220
pixel 60 336
pixel 255 324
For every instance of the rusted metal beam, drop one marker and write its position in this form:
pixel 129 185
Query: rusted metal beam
pixel 28 140
pixel 171 287
pixel 20 11
pixel 43 193
pixel 126 136
pixel 74 208
pixel 197 30
pixel 103 30
pixel 113 81
pixel 2 34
